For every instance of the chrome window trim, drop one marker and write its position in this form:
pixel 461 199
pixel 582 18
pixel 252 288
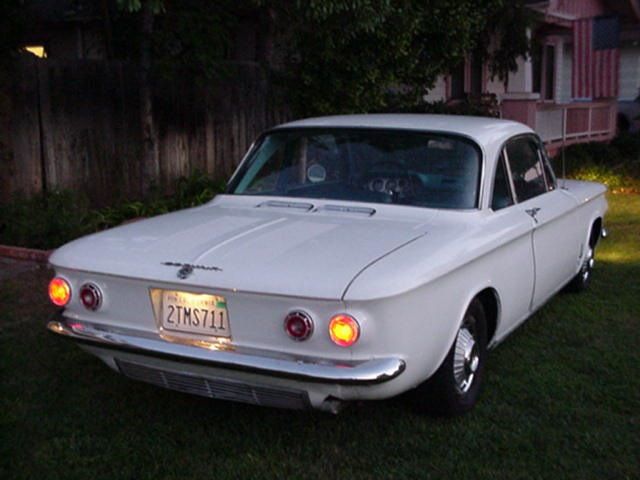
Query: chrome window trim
pixel 536 139
pixel 502 161
pixel 482 156
pixel 509 176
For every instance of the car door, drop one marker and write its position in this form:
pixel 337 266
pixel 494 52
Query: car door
pixel 556 238
pixel 514 271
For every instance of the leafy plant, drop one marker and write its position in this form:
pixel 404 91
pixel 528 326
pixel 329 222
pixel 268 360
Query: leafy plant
pixel 616 164
pixel 50 220
pixel 484 106
pixel 345 56
pixel 43 221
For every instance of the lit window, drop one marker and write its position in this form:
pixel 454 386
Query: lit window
pixel 37 50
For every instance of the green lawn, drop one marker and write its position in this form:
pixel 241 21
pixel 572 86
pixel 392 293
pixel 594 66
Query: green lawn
pixel 562 400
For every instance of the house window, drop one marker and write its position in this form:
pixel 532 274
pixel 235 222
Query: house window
pixel 476 77
pixel 536 66
pixel 37 50
pixel 549 74
pixel 457 82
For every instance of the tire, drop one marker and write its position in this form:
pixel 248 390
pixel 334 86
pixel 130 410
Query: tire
pixel 581 281
pixel 455 387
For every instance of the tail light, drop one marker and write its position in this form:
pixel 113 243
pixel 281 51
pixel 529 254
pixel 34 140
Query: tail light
pixel 59 291
pixel 298 325
pixel 90 296
pixel 344 330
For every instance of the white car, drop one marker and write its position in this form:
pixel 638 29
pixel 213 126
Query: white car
pixel 352 257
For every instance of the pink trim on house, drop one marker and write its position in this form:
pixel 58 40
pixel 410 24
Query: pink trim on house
pixel 522 110
pixel 582 122
pixel 577 8
pixel 582 59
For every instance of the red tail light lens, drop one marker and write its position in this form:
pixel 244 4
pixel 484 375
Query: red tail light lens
pixel 59 291
pixel 344 330
pixel 90 296
pixel 298 325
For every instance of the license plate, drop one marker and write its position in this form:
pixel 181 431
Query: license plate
pixel 195 313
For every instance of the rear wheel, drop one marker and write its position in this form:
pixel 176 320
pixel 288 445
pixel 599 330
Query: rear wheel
pixel 582 279
pixel 455 387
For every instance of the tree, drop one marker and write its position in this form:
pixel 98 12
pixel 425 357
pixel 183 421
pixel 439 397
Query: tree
pixel 178 42
pixel 150 156
pixel 370 55
pixel 506 27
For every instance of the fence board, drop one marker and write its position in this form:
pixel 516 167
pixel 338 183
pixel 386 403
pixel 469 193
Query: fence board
pixel 22 134
pixel 87 115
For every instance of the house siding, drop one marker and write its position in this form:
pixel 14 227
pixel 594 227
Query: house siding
pixel 564 75
pixel 629 73
pixel 495 86
pixel 579 8
pixel 438 92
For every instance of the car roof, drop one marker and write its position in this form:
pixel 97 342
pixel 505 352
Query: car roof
pixel 484 130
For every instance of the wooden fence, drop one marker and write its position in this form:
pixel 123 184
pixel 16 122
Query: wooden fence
pixel 76 125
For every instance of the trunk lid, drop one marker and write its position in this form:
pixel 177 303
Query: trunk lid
pixel 248 245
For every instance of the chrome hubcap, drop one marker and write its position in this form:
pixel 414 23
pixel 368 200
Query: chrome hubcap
pixel 465 360
pixel 587 265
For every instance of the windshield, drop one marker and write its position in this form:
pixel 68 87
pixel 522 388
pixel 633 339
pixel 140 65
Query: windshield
pixel 365 165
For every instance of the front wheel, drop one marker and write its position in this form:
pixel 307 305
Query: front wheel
pixel 455 387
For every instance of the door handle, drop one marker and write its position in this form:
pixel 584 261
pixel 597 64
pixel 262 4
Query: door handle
pixel 532 212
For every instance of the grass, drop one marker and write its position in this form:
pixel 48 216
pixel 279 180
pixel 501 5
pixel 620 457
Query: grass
pixel 562 400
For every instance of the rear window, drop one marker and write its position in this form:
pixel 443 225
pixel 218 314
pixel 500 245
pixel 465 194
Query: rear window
pixel 369 165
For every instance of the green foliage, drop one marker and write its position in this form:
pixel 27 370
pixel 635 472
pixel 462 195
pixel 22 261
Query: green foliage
pixel 505 31
pixel 190 41
pixel 50 220
pixel 345 56
pixel 157 6
pixel 628 147
pixel 193 40
pixel 616 164
pixel 43 221
pixel 485 106
pixel 332 56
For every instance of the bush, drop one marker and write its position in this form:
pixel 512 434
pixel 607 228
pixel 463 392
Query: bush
pixel 616 164
pixel 49 220
pixel 628 146
pixel 43 221
pixel 482 106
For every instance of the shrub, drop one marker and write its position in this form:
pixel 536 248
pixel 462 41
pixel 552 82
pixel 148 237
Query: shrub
pixel 52 219
pixel 616 164
pixel 43 221
pixel 482 106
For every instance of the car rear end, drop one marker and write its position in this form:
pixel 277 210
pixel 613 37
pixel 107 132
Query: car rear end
pixel 271 350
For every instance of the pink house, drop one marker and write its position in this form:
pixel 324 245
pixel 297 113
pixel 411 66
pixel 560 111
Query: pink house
pixel 586 57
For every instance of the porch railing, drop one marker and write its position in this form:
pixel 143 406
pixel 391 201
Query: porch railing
pixel 576 122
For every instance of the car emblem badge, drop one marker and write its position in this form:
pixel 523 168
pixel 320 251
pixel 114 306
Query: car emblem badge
pixel 185 271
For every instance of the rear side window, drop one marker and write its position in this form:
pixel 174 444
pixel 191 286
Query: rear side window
pixel 526 168
pixel 551 176
pixel 501 190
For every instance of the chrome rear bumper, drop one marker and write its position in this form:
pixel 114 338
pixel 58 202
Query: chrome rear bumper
pixel 261 362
